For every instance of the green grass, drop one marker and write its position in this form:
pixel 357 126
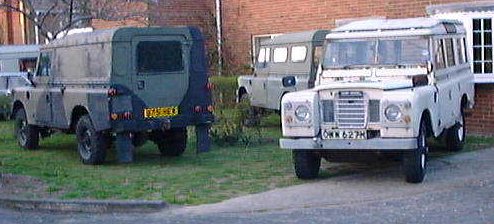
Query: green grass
pixel 223 173
pixel 190 179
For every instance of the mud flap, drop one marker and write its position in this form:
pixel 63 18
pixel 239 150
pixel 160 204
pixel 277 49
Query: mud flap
pixel 203 138
pixel 125 148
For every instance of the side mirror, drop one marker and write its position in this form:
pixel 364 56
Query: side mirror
pixel 430 66
pixel 30 77
pixel 289 81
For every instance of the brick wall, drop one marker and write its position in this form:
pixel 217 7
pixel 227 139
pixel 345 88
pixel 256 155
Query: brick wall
pixel 198 13
pixel 10 26
pixel 481 120
pixel 242 19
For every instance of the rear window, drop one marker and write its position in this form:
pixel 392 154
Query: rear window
pixel 159 56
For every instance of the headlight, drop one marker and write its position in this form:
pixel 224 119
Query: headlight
pixel 393 113
pixel 302 113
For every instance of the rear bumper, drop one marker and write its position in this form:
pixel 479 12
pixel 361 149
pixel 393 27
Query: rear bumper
pixel 375 144
pixel 161 124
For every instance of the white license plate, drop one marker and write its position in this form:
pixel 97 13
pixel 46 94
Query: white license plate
pixel 344 134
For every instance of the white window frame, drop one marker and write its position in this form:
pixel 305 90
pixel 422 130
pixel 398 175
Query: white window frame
pixel 482 46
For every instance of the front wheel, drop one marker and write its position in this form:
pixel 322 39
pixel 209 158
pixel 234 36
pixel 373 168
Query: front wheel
pixel 455 136
pixel 415 162
pixel 306 163
pixel 91 144
pixel 27 135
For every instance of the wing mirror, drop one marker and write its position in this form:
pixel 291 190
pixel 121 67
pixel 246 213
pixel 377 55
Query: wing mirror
pixel 289 81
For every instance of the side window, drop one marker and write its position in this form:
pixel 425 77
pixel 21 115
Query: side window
pixel 299 53
pixel 264 55
pixel 44 67
pixel 159 56
pixel 317 55
pixel 27 64
pixel 460 51
pixel 439 59
pixel 450 53
pixel 280 54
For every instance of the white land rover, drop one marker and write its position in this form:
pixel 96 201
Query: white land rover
pixel 383 86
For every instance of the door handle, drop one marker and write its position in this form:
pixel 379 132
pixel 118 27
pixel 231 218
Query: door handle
pixel 141 84
pixel 47 97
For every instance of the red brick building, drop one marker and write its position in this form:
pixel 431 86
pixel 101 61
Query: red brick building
pixel 244 22
pixel 15 28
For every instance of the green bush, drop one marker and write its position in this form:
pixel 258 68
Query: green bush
pixel 224 92
pixel 5 107
pixel 230 116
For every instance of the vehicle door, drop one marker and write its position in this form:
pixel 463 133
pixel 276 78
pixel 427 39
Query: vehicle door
pixel 444 68
pixel 40 102
pixel 296 66
pixel 259 93
pixel 160 73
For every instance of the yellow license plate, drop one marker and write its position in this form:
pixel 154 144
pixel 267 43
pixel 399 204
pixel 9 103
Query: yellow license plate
pixel 158 112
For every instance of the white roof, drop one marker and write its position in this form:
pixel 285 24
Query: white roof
pixel 9 49
pixel 394 27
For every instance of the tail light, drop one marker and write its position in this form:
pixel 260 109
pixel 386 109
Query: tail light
pixel 121 116
pixel 112 92
pixel 210 86
pixel 197 109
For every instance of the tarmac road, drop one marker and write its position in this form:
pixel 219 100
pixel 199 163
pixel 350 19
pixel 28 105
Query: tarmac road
pixel 458 189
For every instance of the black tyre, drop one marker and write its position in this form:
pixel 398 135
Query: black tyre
pixel 306 163
pixel 415 162
pixel 27 135
pixel 173 142
pixel 455 136
pixel 91 144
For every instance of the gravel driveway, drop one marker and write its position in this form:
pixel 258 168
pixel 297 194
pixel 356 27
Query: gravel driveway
pixel 458 189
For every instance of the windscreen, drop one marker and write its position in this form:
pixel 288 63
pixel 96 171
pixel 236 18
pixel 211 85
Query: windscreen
pixel 347 54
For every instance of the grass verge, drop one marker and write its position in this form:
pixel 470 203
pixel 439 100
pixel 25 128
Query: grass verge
pixel 192 179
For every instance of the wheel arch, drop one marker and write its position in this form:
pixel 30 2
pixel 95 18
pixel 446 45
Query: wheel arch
pixel 426 117
pixel 240 92
pixel 15 107
pixel 76 114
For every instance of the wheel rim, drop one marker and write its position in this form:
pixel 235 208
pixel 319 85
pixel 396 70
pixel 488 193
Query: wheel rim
pixel 422 147
pixel 461 130
pixel 22 129
pixel 85 143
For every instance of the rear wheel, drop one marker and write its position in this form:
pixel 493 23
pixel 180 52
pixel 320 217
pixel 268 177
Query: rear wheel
pixel 415 162
pixel 455 136
pixel 91 144
pixel 172 142
pixel 306 163
pixel 27 135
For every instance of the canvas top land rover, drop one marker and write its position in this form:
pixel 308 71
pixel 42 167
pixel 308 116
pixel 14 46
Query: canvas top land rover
pixel 383 86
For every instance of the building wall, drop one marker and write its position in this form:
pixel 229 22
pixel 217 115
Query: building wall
pixel 481 120
pixel 11 30
pixel 198 13
pixel 244 18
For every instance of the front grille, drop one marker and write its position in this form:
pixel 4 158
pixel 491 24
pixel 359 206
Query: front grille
pixel 351 109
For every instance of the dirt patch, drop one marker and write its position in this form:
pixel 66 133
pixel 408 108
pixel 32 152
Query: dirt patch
pixel 25 187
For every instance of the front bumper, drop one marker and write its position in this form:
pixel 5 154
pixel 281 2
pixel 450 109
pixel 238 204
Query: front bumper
pixel 374 144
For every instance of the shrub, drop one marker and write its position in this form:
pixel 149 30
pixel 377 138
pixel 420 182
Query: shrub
pixel 5 107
